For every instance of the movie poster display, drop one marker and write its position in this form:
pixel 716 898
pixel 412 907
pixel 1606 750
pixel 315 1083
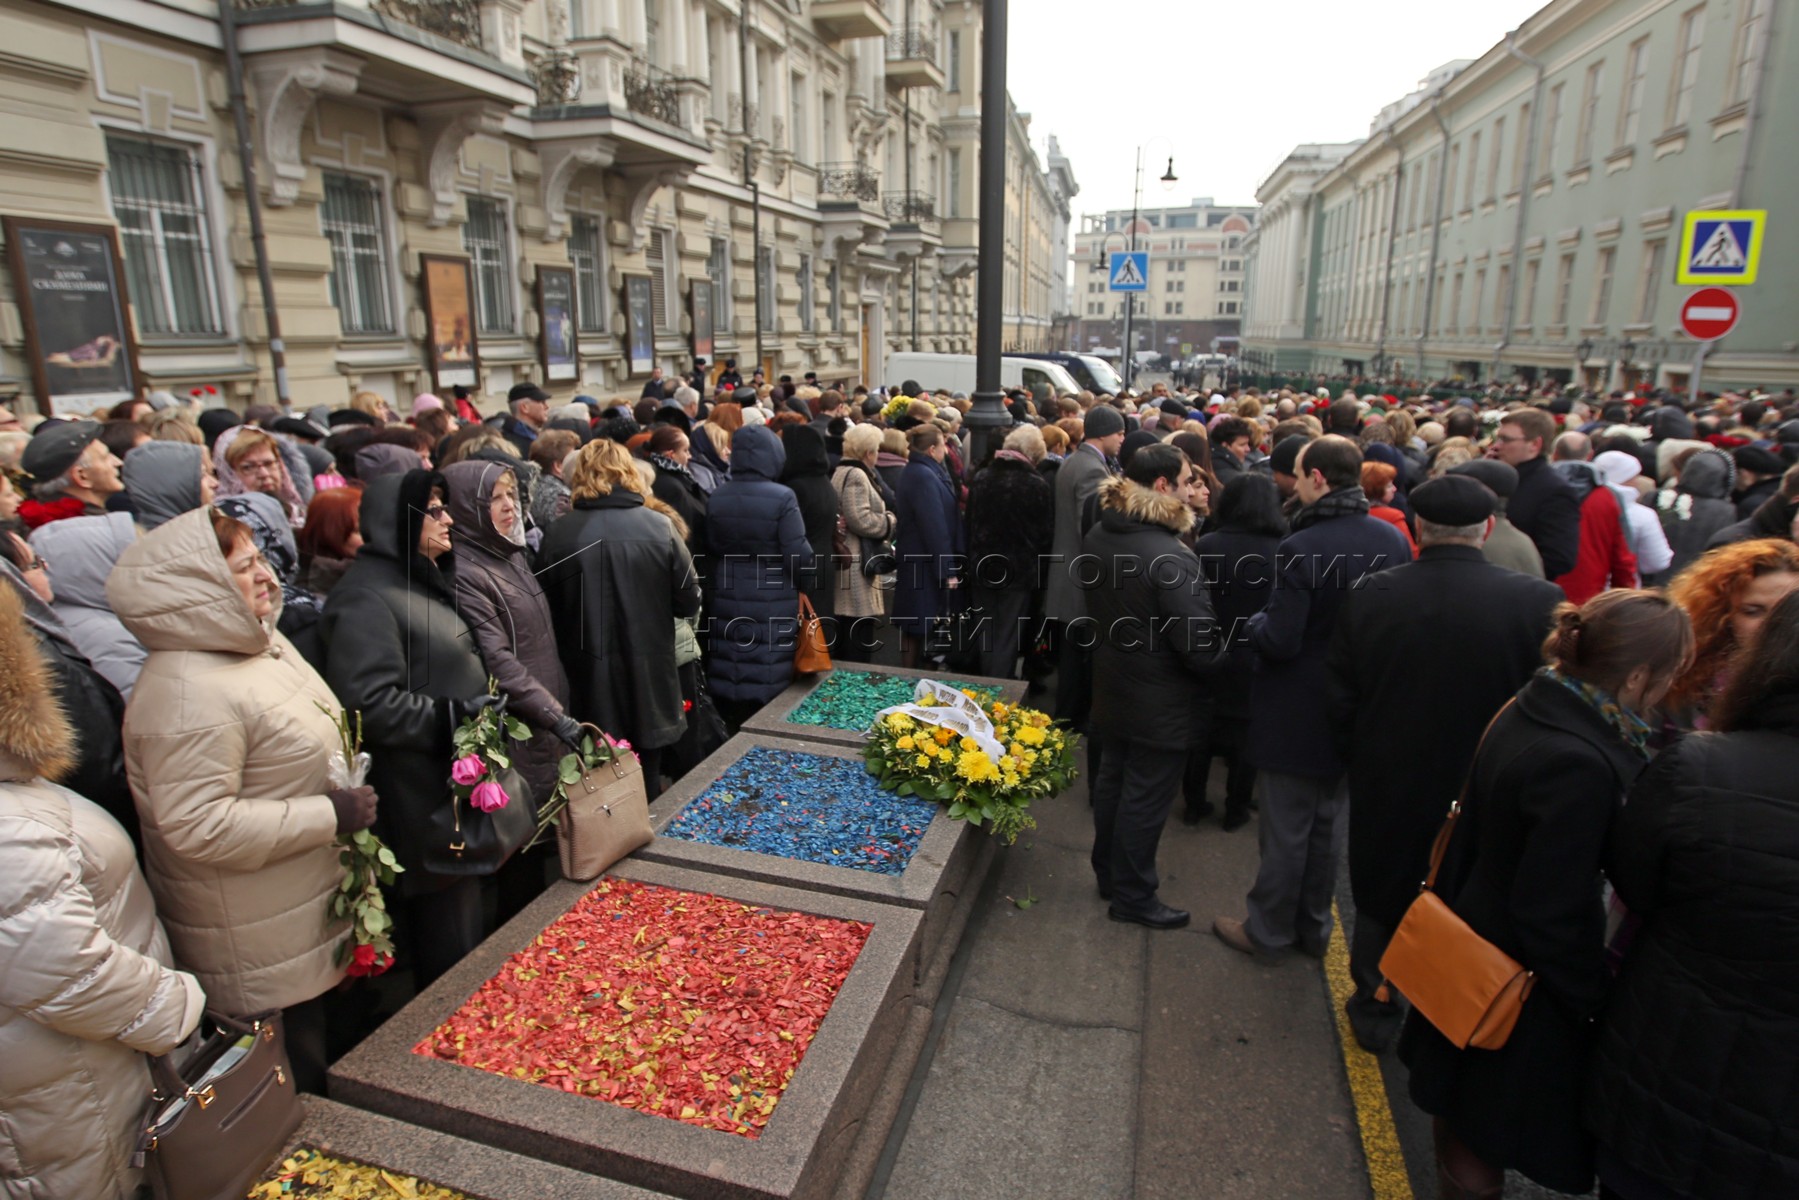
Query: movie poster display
pixel 557 346
pixel 70 284
pixel 450 314
pixel 640 333
pixel 700 310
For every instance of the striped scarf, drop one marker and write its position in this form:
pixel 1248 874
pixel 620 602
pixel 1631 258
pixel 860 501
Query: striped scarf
pixel 1630 728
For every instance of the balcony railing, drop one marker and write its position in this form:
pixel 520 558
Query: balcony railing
pixel 910 44
pixel 456 21
pixel 910 208
pixel 651 92
pixel 852 180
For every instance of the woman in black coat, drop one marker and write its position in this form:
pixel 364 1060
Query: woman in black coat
pixel 1238 562
pixel 1695 1088
pixel 929 544
pixel 808 475
pixel 1011 523
pixel 617 575
pixel 1523 872
pixel 398 652
pixel 757 541
pixel 671 453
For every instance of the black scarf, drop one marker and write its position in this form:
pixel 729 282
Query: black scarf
pixel 663 462
pixel 1344 502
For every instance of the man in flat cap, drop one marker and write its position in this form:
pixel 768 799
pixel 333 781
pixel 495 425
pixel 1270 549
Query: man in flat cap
pixel 1433 647
pixel 72 474
pixel 1507 545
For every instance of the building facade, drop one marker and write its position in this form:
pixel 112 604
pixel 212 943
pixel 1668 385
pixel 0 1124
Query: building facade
pixel 1196 277
pixel 1522 217
pixel 591 161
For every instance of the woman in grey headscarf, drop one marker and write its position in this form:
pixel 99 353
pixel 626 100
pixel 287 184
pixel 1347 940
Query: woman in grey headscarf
pixel 274 537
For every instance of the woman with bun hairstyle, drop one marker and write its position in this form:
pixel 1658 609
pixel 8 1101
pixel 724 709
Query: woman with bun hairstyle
pixel 1523 870
pixel 1727 595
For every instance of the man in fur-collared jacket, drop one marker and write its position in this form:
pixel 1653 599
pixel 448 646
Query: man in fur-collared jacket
pixel 1150 621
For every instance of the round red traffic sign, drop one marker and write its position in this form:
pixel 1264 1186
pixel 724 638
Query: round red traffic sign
pixel 1709 314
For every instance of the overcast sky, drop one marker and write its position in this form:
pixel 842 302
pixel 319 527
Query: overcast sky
pixel 1228 90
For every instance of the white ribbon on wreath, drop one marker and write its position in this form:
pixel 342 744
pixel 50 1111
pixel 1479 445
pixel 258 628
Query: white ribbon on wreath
pixel 952 710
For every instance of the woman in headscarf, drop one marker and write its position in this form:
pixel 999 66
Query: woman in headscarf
pixel 274 537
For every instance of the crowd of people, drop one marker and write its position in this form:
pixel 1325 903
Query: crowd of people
pixel 1580 609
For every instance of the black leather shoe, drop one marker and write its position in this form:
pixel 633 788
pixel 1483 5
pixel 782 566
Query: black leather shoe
pixel 1157 916
pixel 1193 814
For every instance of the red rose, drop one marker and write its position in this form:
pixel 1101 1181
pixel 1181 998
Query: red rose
pixel 686 706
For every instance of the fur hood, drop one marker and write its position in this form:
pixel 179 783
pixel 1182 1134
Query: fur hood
pixel 35 735
pixel 1144 505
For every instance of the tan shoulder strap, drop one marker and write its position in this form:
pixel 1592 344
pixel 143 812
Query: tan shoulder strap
pixel 1440 847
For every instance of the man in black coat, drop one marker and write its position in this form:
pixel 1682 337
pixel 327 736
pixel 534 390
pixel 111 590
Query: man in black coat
pixel 1544 506
pixel 1334 543
pixel 1422 658
pixel 1157 643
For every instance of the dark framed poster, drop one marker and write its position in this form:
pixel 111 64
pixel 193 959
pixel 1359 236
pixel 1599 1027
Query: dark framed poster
pixel 450 316
pixel 640 325
pixel 70 285
pixel 557 345
pixel 699 305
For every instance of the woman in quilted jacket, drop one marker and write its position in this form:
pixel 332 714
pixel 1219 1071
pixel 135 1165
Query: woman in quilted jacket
pixel 87 986
pixel 228 738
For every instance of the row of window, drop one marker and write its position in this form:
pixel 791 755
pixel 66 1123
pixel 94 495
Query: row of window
pixel 1170 308
pixel 159 198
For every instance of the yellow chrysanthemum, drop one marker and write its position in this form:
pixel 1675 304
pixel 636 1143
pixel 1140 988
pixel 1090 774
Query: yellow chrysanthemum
pixel 943 736
pixel 1030 735
pixel 899 722
pixel 922 761
pixel 1015 750
pixel 1008 763
pixel 974 766
pixel 905 742
pixel 1009 778
pixel 969 743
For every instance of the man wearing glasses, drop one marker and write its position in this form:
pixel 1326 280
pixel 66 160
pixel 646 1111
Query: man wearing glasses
pixel 1543 506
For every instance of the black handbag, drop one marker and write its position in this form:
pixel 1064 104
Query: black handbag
pixel 705 730
pixel 219 1120
pixel 878 557
pixel 466 841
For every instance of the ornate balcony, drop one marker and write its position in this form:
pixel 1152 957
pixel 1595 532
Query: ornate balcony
pixel 652 92
pixel 456 21
pixel 839 19
pixel 558 78
pixel 852 182
pixel 909 208
pixel 912 59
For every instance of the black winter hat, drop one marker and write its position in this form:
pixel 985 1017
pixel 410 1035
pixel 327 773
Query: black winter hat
pixel 1453 500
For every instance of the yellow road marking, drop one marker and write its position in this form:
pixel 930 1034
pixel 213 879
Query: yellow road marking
pixel 1387 1178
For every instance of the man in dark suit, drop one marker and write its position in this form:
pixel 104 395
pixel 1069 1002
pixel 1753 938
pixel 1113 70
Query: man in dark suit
pixel 1422 658
pixel 1334 544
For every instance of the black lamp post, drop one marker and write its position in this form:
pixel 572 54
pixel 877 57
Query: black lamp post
pixel 987 414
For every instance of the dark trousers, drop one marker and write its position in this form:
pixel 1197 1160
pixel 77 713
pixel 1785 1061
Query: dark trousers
pixel 857 639
pixel 1074 682
pixel 1301 834
pixel 1226 738
pixel 442 927
pixel 1370 1017
pixel 1004 632
pixel 303 1031
pixel 1132 794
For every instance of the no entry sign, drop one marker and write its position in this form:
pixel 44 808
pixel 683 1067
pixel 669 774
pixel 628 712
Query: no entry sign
pixel 1709 314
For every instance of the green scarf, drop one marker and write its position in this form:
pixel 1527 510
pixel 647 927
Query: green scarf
pixel 1632 729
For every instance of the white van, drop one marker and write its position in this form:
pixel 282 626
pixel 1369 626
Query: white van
pixel 955 373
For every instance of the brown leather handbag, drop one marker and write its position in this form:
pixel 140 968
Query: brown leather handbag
pixel 1470 989
pixel 218 1121
pixel 608 814
pixel 812 654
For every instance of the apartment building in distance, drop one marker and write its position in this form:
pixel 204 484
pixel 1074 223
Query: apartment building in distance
pixel 1196 277
pixel 491 191
pixel 1521 215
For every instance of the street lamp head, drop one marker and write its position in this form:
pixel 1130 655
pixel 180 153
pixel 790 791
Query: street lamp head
pixel 1169 178
pixel 1626 348
pixel 1585 349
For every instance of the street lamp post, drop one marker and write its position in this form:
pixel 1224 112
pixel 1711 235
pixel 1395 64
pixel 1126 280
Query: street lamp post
pixel 987 414
pixel 1582 352
pixel 1169 179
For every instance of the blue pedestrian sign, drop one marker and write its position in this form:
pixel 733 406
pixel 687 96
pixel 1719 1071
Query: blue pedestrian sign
pixel 1130 271
pixel 1721 247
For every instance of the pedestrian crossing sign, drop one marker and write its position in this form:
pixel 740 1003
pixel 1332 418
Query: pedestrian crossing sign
pixel 1130 271
pixel 1721 247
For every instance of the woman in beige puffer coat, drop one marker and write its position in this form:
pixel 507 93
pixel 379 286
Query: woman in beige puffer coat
pixel 86 985
pixel 227 743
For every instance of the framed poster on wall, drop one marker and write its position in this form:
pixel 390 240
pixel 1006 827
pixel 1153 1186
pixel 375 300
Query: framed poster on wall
pixel 640 327
pixel 557 343
pixel 699 305
pixel 450 317
pixel 70 284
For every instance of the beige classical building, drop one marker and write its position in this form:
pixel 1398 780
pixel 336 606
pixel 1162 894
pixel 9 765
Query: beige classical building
pixel 819 154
